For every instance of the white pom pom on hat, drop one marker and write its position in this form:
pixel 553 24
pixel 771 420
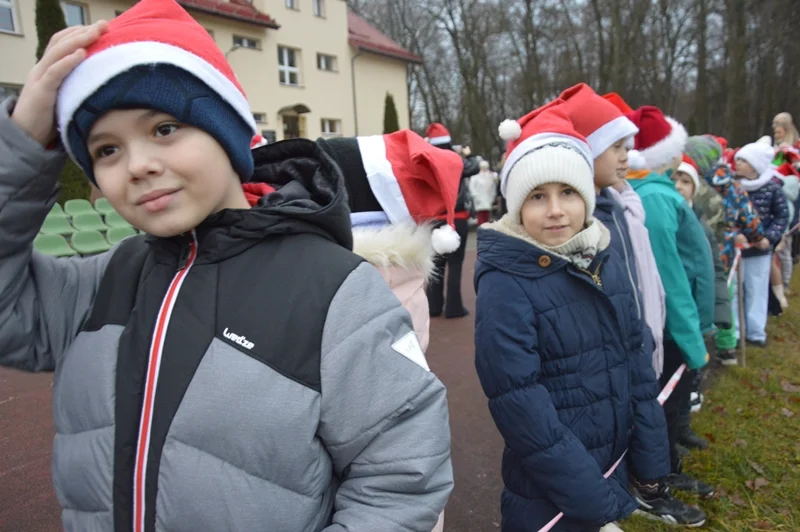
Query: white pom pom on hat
pixel 509 130
pixel 444 239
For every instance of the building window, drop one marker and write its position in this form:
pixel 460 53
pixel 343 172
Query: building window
pixel 292 4
pixel 6 91
pixel 74 14
pixel 319 8
pixel 288 66
pixel 331 127
pixel 246 42
pixel 326 62
pixel 260 118
pixel 8 16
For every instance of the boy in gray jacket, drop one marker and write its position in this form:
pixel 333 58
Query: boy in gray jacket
pixel 237 367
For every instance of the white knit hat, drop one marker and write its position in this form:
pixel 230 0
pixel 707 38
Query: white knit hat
pixel 759 156
pixel 545 148
pixel 691 171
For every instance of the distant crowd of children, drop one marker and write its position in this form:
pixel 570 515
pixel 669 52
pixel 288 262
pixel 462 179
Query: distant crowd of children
pixel 255 359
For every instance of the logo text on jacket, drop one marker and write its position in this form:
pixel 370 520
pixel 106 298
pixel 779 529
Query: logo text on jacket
pixel 241 340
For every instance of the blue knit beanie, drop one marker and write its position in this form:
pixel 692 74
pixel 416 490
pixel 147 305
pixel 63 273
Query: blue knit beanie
pixel 173 91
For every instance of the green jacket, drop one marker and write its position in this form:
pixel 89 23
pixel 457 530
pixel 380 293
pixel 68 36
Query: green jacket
pixel 683 257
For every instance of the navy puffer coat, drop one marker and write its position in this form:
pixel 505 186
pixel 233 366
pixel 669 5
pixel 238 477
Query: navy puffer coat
pixel 560 355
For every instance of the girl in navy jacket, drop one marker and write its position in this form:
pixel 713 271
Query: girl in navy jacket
pixel 559 344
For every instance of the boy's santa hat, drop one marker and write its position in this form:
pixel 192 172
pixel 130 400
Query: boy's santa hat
pixel 544 147
pixel 437 134
pixel 660 139
pixel 598 120
pixel 689 167
pixel 403 176
pixel 156 56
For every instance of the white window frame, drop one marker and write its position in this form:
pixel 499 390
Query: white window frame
pixel 84 11
pixel 319 8
pixel 327 63
pixel 12 5
pixel 330 127
pixel 284 70
pixel 260 118
pixel 245 42
pixel 292 4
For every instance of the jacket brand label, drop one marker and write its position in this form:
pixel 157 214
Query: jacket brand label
pixel 241 340
pixel 409 347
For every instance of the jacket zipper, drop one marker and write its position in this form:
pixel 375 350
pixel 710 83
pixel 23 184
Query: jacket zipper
pixel 188 256
pixel 594 276
pixel 628 267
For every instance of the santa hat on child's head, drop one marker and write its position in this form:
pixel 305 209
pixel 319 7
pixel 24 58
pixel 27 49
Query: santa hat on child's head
pixel 723 142
pixel 544 147
pixel 689 167
pixel 437 134
pixel 598 120
pixel 618 102
pixel 660 139
pixel 403 176
pixel 156 56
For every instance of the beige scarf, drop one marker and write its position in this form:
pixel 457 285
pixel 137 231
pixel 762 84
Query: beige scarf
pixel 580 250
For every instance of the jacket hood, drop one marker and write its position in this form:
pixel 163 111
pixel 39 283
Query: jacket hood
pixel 406 246
pixel 309 197
pixel 653 179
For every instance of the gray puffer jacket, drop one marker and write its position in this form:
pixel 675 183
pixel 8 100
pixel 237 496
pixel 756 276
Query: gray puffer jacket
pixel 254 375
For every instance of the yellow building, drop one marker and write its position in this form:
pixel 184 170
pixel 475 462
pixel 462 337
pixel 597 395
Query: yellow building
pixel 310 68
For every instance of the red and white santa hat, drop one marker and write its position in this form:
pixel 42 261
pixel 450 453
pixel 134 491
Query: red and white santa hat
pixel 660 139
pixel 151 32
pixel 409 179
pixel 545 147
pixel 437 134
pixel 597 119
pixel 689 167
pixel 618 102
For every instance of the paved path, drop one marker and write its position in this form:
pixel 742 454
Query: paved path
pixel 28 504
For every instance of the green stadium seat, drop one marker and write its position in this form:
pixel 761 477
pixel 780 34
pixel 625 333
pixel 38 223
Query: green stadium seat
pixel 54 245
pixel 115 235
pixel 89 242
pixel 115 219
pixel 78 206
pixel 56 224
pixel 56 210
pixel 102 206
pixel 88 221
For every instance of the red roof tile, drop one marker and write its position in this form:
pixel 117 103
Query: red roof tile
pixel 240 10
pixel 365 37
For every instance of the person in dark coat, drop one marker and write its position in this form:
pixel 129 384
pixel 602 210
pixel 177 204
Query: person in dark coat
pixel 452 305
pixel 559 344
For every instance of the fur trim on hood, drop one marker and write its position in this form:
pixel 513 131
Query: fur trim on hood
pixel 406 245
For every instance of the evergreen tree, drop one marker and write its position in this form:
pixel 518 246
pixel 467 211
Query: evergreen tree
pixel 49 21
pixel 390 121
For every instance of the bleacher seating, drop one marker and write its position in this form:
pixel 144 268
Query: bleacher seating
pixel 81 229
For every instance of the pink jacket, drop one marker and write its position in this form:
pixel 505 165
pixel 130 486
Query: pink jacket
pixel 655 313
pixel 404 256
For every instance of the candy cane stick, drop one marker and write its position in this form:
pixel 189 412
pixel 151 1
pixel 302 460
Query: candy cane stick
pixel 662 398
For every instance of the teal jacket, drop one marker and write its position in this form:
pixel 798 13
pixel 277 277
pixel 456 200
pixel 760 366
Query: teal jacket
pixel 684 262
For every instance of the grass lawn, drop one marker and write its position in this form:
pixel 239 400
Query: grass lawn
pixel 752 417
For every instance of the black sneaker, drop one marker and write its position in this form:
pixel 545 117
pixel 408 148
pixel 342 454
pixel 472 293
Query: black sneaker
pixel 683 482
pixel 727 357
pixel 665 507
pixel 689 439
